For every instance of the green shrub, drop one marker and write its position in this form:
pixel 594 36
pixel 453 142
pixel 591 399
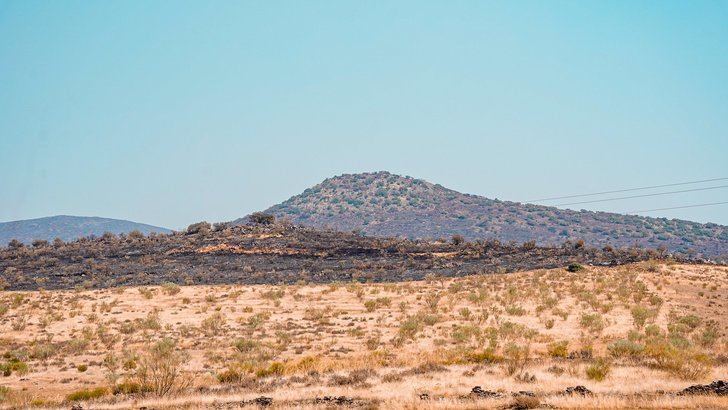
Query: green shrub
pixel 598 371
pixel 87 394
pixel 684 363
pixel 592 322
pixel 559 349
pixel 640 314
pixel 213 325
pixel 574 267
pixel 170 288
pixel 691 321
pixel 127 388
pixel 229 376
pixel 275 369
pixel 409 327
pixel 709 335
pixel 484 356
pixel 4 393
pixel 262 218
pixel 462 334
pixel 13 365
pixel 515 310
pixel 625 349
pixel 515 358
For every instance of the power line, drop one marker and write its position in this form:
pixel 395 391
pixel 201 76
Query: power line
pixel 627 190
pixel 643 195
pixel 678 207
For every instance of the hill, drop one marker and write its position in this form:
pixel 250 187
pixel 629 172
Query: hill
pixel 69 228
pixel 384 204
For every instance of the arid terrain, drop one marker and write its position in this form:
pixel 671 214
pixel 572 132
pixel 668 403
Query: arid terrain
pixel 634 336
pixel 278 253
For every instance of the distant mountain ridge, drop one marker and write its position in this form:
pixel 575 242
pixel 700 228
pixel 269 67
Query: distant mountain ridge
pixel 69 228
pixel 385 204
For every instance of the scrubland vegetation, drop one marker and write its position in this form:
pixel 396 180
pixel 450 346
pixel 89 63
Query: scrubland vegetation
pixel 271 253
pixel 633 335
pixel 385 204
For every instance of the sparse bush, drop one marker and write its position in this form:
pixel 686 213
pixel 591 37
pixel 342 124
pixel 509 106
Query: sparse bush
pixel 515 358
pixel 574 267
pixel 685 363
pixel 202 228
pixel 159 369
pixel 640 315
pixel 4 393
pixel 625 349
pixel 457 239
pixel 170 288
pixel 230 376
pixel 355 377
pixel 598 371
pixel 274 369
pixel 709 335
pixel 127 387
pixel 147 293
pixel 40 243
pixel 515 310
pixel 136 235
pixel 87 394
pixel 213 325
pixel 262 218
pixel 527 246
pixel 559 349
pixel 409 327
pixel 592 322
pixel 13 365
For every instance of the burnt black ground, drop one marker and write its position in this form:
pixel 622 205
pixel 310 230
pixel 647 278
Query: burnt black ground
pixel 273 254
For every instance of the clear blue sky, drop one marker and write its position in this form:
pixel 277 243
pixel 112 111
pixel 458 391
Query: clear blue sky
pixel 173 112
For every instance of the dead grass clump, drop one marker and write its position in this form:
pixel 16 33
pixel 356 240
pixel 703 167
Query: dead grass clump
pixel 357 378
pixel 524 402
pixel 213 325
pixel 170 288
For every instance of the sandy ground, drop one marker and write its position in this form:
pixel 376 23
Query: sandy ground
pixel 315 333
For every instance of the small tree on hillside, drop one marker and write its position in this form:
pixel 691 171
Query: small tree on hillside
pixel 40 243
pixel 262 218
pixel 199 227
pixel 457 239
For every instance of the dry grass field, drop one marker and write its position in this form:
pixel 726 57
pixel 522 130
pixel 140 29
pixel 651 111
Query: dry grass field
pixel 633 335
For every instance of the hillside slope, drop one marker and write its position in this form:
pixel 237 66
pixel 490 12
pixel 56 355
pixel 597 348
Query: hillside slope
pixel 69 228
pixel 384 204
pixel 274 254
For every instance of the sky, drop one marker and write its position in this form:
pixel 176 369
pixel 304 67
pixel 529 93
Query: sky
pixel 172 112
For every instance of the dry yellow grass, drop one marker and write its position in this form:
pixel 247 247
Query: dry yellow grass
pixel 440 337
